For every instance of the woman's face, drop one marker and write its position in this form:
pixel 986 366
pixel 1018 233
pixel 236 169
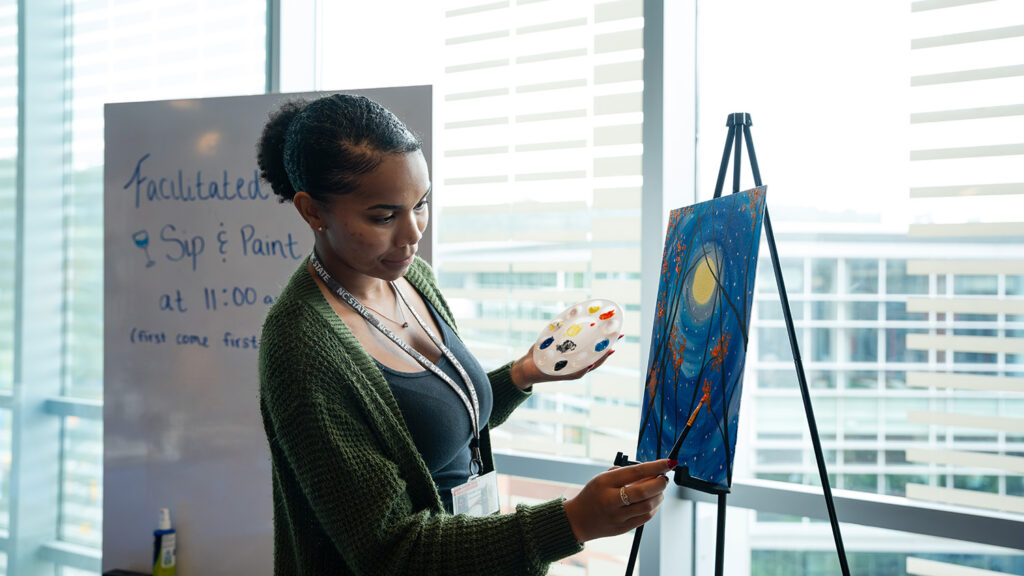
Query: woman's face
pixel 375 230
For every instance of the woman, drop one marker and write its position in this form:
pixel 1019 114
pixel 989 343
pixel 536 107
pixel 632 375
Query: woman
pixel 369 435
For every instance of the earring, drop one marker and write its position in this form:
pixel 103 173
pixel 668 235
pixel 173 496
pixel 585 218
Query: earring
pixel 320 229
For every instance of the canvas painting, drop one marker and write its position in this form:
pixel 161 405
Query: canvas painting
pixel 701 326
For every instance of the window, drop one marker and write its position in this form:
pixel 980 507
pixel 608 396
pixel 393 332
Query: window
pixel 112 52
pixel 823 276
pixel 862 276
pixel 8 178
pixel 541 107
pixel 919 255
pixel 897 281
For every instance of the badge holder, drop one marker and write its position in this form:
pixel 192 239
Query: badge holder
pixel 478 496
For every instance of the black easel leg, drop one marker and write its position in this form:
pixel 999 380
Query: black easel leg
pixel 806 395
pixel 637 535
pixel 798 364
pixel 720 537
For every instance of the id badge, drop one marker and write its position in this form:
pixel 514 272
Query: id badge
pixel 478 496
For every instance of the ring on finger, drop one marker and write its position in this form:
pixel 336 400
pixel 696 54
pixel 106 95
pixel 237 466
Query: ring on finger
pixel 623 496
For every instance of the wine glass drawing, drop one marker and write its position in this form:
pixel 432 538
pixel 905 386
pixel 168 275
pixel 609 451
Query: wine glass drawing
pixel 141 239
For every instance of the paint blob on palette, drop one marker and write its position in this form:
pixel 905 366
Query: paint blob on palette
pixel 578 337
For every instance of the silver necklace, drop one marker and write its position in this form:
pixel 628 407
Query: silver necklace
pixel 398 306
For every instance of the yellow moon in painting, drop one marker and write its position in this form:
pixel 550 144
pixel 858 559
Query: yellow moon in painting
pixel 704 281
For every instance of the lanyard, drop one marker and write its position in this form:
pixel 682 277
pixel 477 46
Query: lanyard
pixel 472 407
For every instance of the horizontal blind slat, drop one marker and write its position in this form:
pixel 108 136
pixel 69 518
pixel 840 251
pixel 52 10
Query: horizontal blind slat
pixel 938 418
pixel 962 266
pixel 1013 464
pixel 965 382
pixel 961 497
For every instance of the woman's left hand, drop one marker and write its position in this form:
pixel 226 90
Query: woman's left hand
pixel 525 372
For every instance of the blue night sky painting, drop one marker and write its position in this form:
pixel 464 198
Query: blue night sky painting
pixel 701 326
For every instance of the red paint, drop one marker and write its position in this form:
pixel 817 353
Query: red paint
pixel 607 315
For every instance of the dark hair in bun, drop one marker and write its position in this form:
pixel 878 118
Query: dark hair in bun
pixel 322 147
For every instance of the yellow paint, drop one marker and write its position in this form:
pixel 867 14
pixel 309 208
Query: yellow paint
pixel 593 309
pixel 704 281
pixel 573 330
pixel 554 325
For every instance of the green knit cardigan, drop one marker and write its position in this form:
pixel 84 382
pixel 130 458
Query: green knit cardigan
pixel 352 495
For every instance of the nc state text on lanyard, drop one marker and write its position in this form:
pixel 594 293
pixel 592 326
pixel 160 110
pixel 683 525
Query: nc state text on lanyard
pixel 473 408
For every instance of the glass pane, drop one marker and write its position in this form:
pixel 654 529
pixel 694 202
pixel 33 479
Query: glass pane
pixel 763 544
pixel 862 311
pixel 792 275
pixel 897 281
pixel 823 276
pixel 541 158
pixel 5 469
pixel 231 61
pixel 896 346
pixel 860 456
pixel 895 311
pixel 8 181
pixel 862 344
pixel 823 345
pixel 767 544
pixel 862 380
pixel 1014 284
pixel 769 308
pixel 860 418
pixel 110 61
pixel 895 379
pixel 600 557
pixel 976 285
pixel 773 345
pixel 777 379
pixel 821 379
pixel 826 414
pixel 824 310
pixel 81 513
pixel 65 571
pixel 898 427
pixel 862 240
pixel 8 213
pixel 775 422
pixel 862 276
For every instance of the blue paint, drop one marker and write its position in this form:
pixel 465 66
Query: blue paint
pixel 601 345
pixel 546 343
pixel 692 339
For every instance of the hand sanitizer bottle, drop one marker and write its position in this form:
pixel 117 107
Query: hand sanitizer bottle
pixel 163 546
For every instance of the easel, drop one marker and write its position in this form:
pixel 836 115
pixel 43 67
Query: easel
pixel 739 129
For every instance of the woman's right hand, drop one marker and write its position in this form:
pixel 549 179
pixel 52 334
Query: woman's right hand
pixel 600 509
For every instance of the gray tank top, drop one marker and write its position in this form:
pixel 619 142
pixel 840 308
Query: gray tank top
pixel 436 417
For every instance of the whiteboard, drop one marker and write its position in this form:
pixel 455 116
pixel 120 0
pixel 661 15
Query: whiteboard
pixel 195 249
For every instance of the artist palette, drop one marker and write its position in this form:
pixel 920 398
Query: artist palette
pixel 578 337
